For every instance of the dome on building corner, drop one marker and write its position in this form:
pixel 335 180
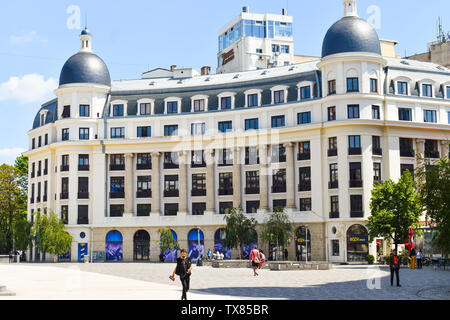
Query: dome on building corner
pixel 85 66
pixel 351 34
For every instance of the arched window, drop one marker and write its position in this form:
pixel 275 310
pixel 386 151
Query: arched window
pixel 196 243
pixel 141 246
pixel 357 243
pixel 171 255
pixel 303 244
pixel 219 238
pixel 114 246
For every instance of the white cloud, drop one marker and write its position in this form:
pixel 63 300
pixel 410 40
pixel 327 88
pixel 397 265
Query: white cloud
pixel 11 152
pixel 30 88
pixel 27 38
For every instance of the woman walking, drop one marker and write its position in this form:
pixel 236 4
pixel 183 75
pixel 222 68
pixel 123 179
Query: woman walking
pixel 255 259
pixel 183 269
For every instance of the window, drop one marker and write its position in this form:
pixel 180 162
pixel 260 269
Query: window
pixel 333 176
pixel 225 184
pixel 225 207
pixel 427 90
pixel 251 155
pixel 252 206
pixel 431 149
pixel 252 100
pixel 259 50
pixel 278 153
pixel 356 206
pixel 331 87
pixel 144 187
pixel 376 172
pixel 83 215
pixel 65 214
pixel 279 181
pixel 46 139
pixel 373 85
pixel 65 163
pixel 429 116
pixel 278 121
pixel 279 204
pixel 144 161
pixel 225 103
pixel 116 210
pixel 304 118
pixel 145 109
pixel 66 112
pixel 334 207
pixel 304 179
pixel 225 126
pixel 117 133
pixel 117 162
pixel 409 167
pixel 170 209
pixel 42 119
pixel 64 189
pixel 332 146
pixel 172 107
pixel 252 182
pixel 406 147
pixel 353 111
pixel 278 96
pixel 404 114
pixel 284 49
pixel 144 132
pixel 354 145
pixel 143 210
pixel 305 92
pixel 83 188
pixel 335 248
pixel 331 113
pixel 199 105
pixel 304 151
pixel 352 85
pixel 355 175
pixel 33 143
pixel 198 159
pixel 39 141
pixel 65 135
pixel 198 128
pixel 305 204
pixel 251 124
pixel 117 188
pixel 199 185
pixel 376 112
pixel 402 88
pixel 83 162
pixel 448 115
pixel 84 110
pixel 84 133
pixel 118 110
pixel 170 130
pixel 171 186
pixel 376 146
pixel 39 169
pixel 198 209
pixel 448 92
pixel 171 160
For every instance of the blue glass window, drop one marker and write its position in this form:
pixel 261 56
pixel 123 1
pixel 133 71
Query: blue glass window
pixel 170 130
pixel 225 103
pixel 252 100
pixel 117 133
pixel 448 92
pixel 118 110
pixel 84 133
pixel 404 114
pixel 305 93
pixel 354 142
pixel 427 90
pixel 143 132
pixel 198 128
pixel 352 85
pixel 278 96
pixel 373 85
pixel 84 110
pixel 353 112
pixel 304 117
pixel 283 29
pixel 117 185
pixel 278 121
pixel 402 88
pixel 225 126
pixel 251 124
pixel 448 117
pixel 429 116
pixel 172 107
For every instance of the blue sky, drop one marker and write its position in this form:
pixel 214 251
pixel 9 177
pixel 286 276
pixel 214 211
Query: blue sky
pixel 136 35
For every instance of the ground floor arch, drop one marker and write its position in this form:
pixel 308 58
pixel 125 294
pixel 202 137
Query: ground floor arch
pixel 303 244
pixel 196 243
pixel 357 243
pixel 171 255
pixel 247 248
pixel 141 246
pixel 114 246
pixel 219 238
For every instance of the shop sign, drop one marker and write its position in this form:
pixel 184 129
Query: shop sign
pixel 358 238
pixel 228 57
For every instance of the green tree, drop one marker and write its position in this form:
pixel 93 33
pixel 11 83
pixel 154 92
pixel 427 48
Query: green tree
pixel 239 230
pixel 21 164
pixel 434 190
pixel 395 207
pixel 166 240
pixel 277 229
pixel 22 234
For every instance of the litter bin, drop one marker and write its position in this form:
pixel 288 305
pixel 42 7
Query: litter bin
pixel 17 258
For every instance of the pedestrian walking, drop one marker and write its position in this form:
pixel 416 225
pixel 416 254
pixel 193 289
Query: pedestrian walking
pixel 412 263
pixel 286 254
pixel 208 254
pixel 419 259
pixel 183 270
pixel 263 258
pixel 255 259
pixel 11 257
pixel 394 264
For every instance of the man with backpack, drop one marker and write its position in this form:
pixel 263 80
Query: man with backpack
pixel 394 264
pixel 255 259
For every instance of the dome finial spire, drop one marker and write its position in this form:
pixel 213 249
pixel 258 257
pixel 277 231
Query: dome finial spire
pixel 350 8
pixel 86 40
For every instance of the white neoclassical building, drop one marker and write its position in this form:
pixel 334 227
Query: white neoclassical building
pixel 118 160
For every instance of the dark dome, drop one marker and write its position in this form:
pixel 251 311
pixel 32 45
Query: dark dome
pixel 351 34
pixel 85 67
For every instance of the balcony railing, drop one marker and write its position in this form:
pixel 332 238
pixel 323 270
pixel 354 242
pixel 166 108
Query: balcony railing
pixel 144 194
pixel 117 195
pixel 432 154
pixel 279 189
pixel 357 214
pixel 39 173
pixel 333 184
pixel 355 183
pixel 64 168
pixel 225 192
pixel 171 193
pixel 83 195
pixel 116 167
pixel 304 186
pixel 334 215
pixel 198 192
pixel 44 198
pixel 32 200
pixel 33 174
pixel 377 151
pixel 304 156
pixel 83 220
pixel 354 151
pixel 64 196
pixel 332 152
pixel 252 190
pixel 83 167
pixel 250 162
pixel 45 172
pixel 144 166
pixel 198 165
pixel 170 165
pixel 38 199
pixel 407 153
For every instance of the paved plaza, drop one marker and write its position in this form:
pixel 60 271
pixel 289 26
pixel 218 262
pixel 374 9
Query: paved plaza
pixel 150 281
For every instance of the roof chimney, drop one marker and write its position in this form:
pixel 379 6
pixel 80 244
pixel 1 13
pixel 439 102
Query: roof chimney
pixel 284 12
pixel 173 67
pixel 205 70
pixel 246 9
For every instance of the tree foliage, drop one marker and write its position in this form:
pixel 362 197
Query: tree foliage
pixel 22 234
pixel 277 229
pixel 239 230
pixel 166 240
pixel 434 189
pixel 395 207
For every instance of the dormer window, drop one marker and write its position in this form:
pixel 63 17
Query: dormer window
pixel 42 119
pixel 145 109
pixel 84 110
pixel 253 98
pixel 427 90
pixel 402 88
pixel 118 110
pixel 225 103
pixel 278 96
pixel 352 85
pixel 305 92
pixel 172 107
pixel 199 105
pixel 448 92
pixel 66 112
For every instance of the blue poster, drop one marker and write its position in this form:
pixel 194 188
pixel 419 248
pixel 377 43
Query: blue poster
pixel 82 251
pixel 171 255
pixel 114 246
pixel 196 242
pixel 218 244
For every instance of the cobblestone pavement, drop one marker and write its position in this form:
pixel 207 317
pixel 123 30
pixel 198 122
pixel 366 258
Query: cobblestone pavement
pixel 346 282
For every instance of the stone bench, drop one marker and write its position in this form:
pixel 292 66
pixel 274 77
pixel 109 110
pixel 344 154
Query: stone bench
pixel 289 265
pixel 4 259
pixel 235 264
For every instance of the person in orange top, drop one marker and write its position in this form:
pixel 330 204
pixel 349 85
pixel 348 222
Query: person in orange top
pixel 394 264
